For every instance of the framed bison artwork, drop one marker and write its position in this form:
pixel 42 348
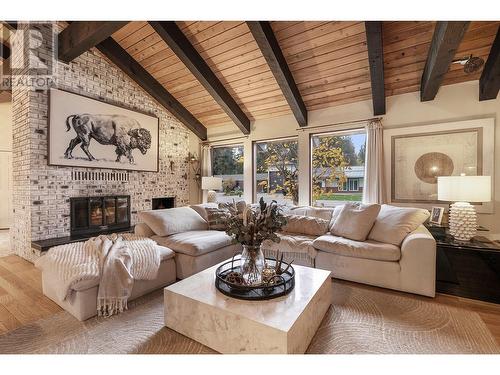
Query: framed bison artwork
pixel 85 132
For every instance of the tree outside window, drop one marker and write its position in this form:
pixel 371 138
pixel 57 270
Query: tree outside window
pixel 337 168
pixel 276 171
pixel 227 163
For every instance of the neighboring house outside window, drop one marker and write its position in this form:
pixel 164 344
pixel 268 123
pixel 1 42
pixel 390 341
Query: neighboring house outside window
pixel 338 167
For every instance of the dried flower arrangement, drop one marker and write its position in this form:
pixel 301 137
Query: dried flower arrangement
pixel 252 226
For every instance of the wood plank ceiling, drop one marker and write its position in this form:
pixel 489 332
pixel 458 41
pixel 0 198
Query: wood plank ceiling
pixel 328 61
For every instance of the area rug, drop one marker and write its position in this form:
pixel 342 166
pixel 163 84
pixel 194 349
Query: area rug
pixel 361 320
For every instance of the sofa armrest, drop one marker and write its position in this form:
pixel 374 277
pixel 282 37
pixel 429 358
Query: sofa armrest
pixel 142 229
pixel 418 261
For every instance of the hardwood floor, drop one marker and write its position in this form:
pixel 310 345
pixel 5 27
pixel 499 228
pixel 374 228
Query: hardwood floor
pixel 22 300
pixel 21 297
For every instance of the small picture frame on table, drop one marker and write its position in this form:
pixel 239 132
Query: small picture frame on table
pixel 436 215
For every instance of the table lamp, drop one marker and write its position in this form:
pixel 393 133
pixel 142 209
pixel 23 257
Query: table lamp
pixel 211 184
pixel 462 190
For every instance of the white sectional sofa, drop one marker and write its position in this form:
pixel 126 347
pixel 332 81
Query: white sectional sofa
pixel 188 246
pixel 83 302
pixel 409 266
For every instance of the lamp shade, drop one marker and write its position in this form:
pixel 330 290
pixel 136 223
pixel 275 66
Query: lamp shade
pixel 464 188
pixel 211 183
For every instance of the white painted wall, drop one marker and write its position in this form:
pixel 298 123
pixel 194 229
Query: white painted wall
pixel 5 165
pixel 454 102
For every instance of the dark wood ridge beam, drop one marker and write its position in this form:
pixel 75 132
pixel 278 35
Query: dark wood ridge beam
pixel 489 83
pixel 182 47
pixel 376 58
pixel 4 51
pixel 268 44
pixel 80 36
pixel 11 25
pixel 113 51
pixel 445 41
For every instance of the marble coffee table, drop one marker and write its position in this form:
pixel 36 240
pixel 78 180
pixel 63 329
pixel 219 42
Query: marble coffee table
pixel 196 309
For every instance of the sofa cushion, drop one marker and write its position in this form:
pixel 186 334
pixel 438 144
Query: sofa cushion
pixel 393 223
pixel 216 218
pixel 201 208
pixel 308 225
pixel 165 253
pixel 173 220
pixel 292 243
pixel 355 221
pixel 357 249
pixel 195 243
pixel 335 215
pixel 324 213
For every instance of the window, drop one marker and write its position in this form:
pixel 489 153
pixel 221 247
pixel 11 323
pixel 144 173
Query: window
pixel 276 171
pixel 227 163
pixel 338 167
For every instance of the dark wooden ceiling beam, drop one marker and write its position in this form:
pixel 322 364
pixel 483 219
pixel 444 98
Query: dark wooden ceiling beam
pixel 10 25
pixel 182 47
pixel 80 36
pixel 4 51
pixel 113 51
pixel 489 83
pixel 445 41
pixel 376 58
pixel 268 44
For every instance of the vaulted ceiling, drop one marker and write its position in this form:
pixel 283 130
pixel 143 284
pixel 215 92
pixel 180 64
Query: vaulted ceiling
pixel 211 73
pixel 328 61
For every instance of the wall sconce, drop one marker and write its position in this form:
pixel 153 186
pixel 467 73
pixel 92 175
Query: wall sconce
pixel 193 160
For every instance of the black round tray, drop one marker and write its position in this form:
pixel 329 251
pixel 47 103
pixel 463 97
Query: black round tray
pixel 253 293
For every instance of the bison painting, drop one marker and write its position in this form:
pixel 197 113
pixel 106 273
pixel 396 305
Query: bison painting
pixel 123 132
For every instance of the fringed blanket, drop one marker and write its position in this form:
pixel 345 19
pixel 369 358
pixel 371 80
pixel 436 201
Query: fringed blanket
pixel 114 260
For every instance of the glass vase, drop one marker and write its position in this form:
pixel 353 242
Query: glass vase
pixel 252 264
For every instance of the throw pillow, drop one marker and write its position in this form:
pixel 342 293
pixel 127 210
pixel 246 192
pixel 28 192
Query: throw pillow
pixel 355 221
pixel 320 212
pixel 311 226
pixel 200 208
pixel 393 223
pixel 335 215
pixel 173 220
pixel 216 218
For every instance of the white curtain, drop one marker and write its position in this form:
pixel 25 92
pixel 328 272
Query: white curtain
pixel 206 161
pixel 206 166
pixel 374 184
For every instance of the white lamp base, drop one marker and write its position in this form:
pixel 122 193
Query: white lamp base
pixel 211 196
pixel 462 221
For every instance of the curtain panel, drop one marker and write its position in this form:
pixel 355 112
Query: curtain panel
pixel 374 185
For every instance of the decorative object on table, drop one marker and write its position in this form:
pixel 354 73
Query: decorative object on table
pixel 462 190
pixel 85 132
pixel 211 184
pixel 250 228
pixel 229 280
pixel 436 215
pixel 417 155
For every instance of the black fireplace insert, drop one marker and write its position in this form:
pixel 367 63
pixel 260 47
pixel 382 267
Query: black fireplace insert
pixel 163 202
pixel 94 215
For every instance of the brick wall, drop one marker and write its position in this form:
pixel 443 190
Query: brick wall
pixel 42 192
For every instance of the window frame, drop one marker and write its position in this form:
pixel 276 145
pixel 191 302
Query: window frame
pixel 340 132
pixel 254 159
pixel 228 145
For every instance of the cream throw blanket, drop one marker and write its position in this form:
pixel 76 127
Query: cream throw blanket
pixel 113 261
